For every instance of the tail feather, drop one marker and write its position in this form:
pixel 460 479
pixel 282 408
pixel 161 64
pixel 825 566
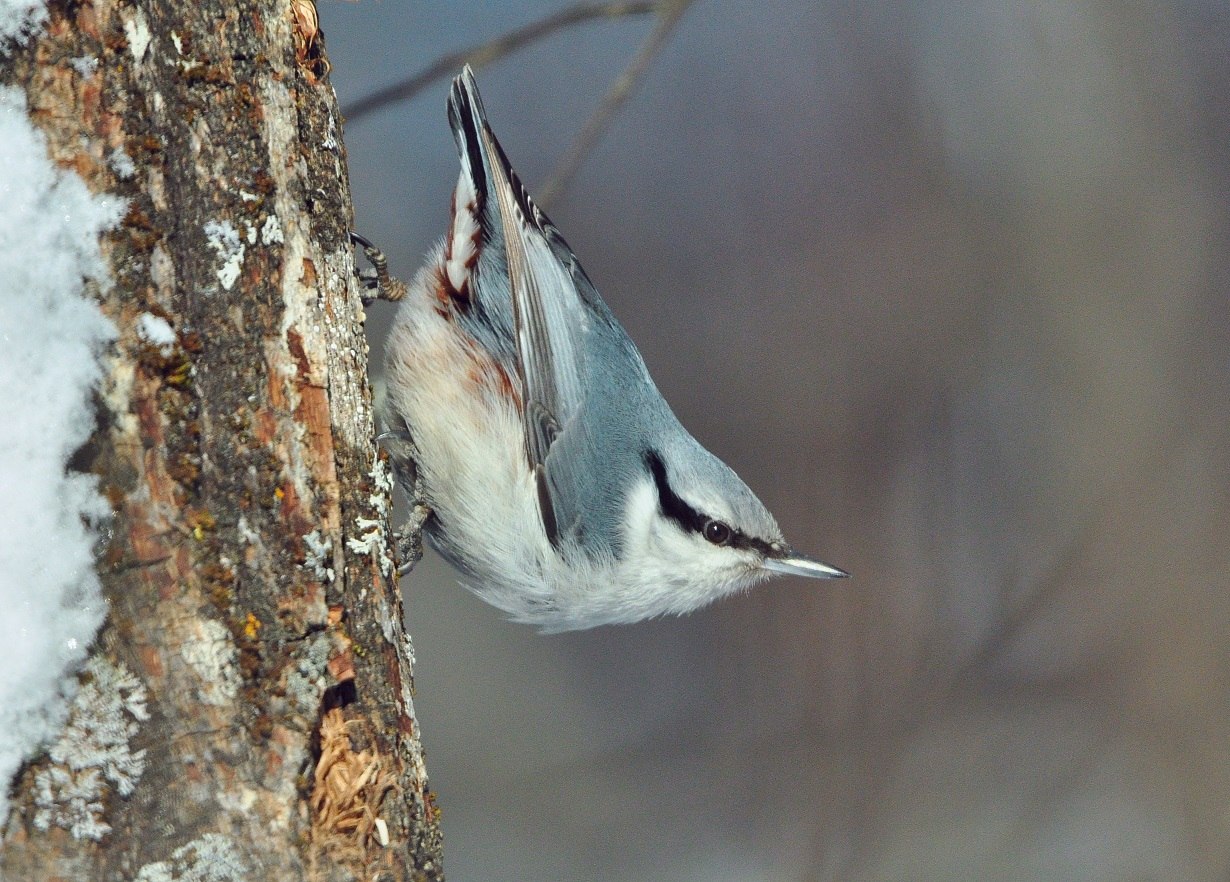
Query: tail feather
pixel 480 149
pixel 468 119
pixel 464 242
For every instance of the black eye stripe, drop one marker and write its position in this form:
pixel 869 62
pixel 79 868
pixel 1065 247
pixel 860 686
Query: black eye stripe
pixel 672 506
pixel 689 518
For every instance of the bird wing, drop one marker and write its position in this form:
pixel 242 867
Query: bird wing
pixel 554 307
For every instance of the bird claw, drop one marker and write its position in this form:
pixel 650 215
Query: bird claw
pixel 409 537
pixel 409 544
pixel 375 281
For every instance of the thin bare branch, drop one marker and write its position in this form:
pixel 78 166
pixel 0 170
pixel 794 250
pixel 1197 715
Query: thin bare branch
pixel 485 53
pixel 669 13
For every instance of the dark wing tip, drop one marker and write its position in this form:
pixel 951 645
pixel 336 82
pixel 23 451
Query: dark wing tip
pixel 467 117
pixel 546 507
pixel 464 98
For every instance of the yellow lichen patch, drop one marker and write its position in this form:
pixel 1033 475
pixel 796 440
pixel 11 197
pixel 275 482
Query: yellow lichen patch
pixel 348 789
pixel 180 373
pixel 199 523
pixel 251 626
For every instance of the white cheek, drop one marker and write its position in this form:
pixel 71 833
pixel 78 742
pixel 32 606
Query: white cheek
pixel 684 570
pixel 639 512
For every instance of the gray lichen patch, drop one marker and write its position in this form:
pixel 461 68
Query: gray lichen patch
pixel 382 478
pixel 208 858
pixel 318 558
pixel 372 541
pixel 306 683
pixel 93 756
pixel 211 654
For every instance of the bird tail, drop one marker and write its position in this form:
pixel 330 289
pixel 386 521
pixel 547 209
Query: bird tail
pixel 468 120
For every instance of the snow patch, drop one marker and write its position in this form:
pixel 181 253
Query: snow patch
pixel 136 29
pixel 52 335
pixel 224 239
pixel 20 18
pixel 156 331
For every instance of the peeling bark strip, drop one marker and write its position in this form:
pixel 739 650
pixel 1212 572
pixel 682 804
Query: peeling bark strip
pixel 249 574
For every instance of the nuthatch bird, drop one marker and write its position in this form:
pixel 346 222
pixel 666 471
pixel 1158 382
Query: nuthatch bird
pixel 560 482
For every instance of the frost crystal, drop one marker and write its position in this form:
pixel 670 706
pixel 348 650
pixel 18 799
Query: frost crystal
pixel 92 752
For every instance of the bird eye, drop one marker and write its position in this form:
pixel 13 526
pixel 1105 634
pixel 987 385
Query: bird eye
pixel 717 532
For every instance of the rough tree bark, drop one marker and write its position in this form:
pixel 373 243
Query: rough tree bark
pixel 246 710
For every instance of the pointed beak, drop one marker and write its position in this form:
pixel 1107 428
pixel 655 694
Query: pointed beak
pixel 791 563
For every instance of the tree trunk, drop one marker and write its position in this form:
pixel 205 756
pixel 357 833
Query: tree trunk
pixel 253 679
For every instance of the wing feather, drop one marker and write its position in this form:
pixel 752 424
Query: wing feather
pixel 551 312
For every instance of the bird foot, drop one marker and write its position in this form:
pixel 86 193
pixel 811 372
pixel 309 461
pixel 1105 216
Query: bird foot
pixel 376 282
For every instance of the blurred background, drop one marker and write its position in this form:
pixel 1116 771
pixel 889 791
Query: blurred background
pixel 946 283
